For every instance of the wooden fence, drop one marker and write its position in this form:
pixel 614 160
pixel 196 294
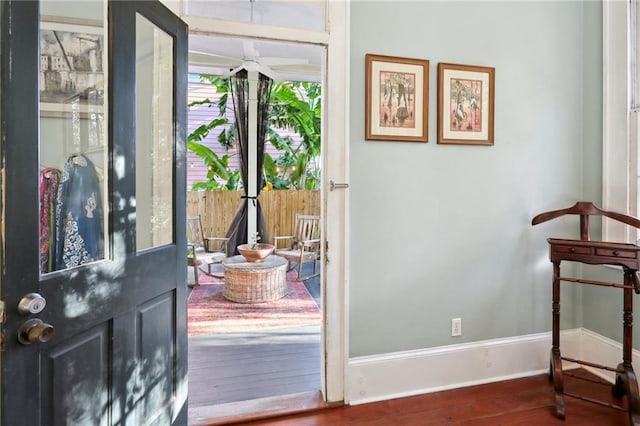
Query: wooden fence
pixel 217 209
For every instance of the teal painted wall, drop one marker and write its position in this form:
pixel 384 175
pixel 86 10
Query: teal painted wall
pixel 444 231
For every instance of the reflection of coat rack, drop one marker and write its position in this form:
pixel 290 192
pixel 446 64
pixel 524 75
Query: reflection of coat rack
pixel 84 125
pixel 595 253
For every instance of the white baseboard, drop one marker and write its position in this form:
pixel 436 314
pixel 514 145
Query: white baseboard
pixel 401 374
pixel 602 350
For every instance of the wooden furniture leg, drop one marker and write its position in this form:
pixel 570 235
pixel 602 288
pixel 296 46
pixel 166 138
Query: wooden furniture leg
pixel 626 381
pixel 556 360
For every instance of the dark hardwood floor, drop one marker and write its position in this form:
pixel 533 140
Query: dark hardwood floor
pixel 527 401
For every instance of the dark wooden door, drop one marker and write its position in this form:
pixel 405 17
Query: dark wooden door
pixel 93 97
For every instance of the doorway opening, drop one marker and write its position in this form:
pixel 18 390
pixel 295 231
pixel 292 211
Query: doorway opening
pixel 274 349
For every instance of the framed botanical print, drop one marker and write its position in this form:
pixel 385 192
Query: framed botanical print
pixel 396 98
pixel 465 104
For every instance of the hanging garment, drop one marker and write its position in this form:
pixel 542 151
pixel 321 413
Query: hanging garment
pixel 49 178
pixel 79 216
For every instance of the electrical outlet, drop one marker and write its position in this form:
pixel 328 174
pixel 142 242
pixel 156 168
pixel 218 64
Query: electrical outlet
pixel 456 327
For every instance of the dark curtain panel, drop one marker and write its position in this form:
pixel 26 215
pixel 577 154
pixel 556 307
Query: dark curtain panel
pixel 264 95
pixel 237 232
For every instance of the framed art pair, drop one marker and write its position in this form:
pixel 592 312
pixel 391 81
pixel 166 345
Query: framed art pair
pixel 397 101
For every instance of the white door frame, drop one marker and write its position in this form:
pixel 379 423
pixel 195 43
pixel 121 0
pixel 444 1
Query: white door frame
pixel 335 156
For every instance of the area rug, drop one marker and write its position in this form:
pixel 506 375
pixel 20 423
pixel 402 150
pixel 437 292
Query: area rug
pixel 210 313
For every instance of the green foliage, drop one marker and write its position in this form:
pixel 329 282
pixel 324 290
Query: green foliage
pixel 203 131
pixel 271 174
pixel 295 107
pixel 217 169
pixel 227 137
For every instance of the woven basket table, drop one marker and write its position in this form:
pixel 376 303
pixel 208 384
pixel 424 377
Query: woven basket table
pixel 254 282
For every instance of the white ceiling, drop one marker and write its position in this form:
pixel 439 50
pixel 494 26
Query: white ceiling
pixel 283 61
pixel 301 14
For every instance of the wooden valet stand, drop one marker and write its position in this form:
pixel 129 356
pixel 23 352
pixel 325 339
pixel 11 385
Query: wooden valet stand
pixel 595 253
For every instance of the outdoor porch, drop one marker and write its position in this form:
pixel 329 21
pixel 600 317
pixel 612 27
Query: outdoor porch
pixel 228 368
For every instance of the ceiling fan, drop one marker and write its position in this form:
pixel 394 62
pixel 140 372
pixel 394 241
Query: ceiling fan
pixel 276 68
pixel 251 62
pixel 273 66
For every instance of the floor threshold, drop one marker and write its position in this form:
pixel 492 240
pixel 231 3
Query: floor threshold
pixel 258 409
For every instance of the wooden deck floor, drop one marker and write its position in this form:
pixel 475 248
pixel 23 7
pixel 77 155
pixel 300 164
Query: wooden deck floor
pixel 237 367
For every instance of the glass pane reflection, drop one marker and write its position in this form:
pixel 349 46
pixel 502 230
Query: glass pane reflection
pixel 72 134
pixel 154 135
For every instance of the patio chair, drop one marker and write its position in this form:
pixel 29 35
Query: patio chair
pixel 303 246
pixel 203 251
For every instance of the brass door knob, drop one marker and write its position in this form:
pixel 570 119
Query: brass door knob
pixel 35 331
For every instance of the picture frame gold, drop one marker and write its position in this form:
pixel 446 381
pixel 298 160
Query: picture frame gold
pixel 466 104
pixel 396 98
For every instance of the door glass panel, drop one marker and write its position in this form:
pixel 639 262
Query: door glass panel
pixel 154 135
pixel 73 135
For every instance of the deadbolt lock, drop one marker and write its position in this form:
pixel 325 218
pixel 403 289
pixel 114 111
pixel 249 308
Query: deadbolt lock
pixel 31 303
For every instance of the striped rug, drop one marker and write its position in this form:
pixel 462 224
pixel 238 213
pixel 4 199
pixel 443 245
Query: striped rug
pixel 210 313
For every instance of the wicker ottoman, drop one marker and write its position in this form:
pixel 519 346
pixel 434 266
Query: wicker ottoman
pixel 254 282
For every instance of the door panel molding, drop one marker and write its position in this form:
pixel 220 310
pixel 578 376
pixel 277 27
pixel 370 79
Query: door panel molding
pixel 77 391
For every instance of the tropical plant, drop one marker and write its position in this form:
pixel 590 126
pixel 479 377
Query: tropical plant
pixel 219 176
pixel 295 106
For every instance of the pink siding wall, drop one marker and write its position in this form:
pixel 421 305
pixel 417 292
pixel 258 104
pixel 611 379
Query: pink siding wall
pixel 199 115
